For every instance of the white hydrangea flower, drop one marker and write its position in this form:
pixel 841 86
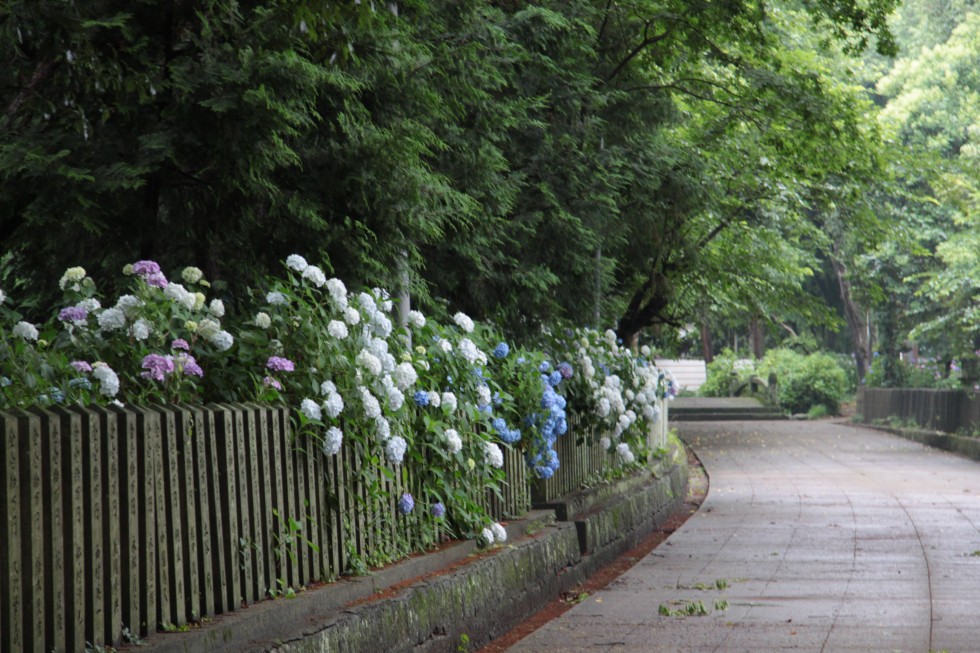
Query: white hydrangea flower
pixel 337 329
pixel 483 396
pixel 494 456
pixel 605 443
pixel 276 298
pixel 625 455
pixel 296 262
pixel 262 320
pixel 3 297
pixel 108 380
pixel 467 349
pixel 111 319
pixel 396 398
pixel 26 330
pixel 140 330
pixel 332 441
pixel 192 274
pixel 372 409
pixel 128 303
pixel 610 337
pixel 368 305
pixel 645 351
pixel 405 376
pixel 222 340
pixel 395 449
pixel 486 537
pixel 90 305
pixel 327 388
pixel 310 408
pixel 334 405
pixel 179 295
pixel 434 399
pixel 603 408
pixel 217 308
pixel 453 441
pixel 464 322
pixel 445 345
pixel 71 277
pixel 351 316
pixel 315 275
pixel 499 532
pixel 449 401
pixel 382 428
pixel 338 293
pixel 369 362
pixel 416 319
pixel 381 324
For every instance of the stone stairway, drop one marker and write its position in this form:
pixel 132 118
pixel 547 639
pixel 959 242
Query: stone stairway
pixel 702 409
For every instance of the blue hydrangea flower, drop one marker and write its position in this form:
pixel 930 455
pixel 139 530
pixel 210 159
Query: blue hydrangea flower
pixel 406 504
pixel 501 350
pixel 497 399
pixel 438 510
pixel 544 367
pixel 555 378
pixel 421 398
pixel 510 436
pixel 499 425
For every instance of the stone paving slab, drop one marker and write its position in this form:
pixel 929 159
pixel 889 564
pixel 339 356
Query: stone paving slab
pixel 815 536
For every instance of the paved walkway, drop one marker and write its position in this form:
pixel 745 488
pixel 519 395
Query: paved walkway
pixel 815 536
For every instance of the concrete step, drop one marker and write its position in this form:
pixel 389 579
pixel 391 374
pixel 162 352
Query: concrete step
pixel 718 416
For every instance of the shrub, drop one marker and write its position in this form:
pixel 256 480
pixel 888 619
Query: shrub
pixel 720 373
pixel 806 381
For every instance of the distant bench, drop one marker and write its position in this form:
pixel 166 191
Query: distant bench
pixel 689 374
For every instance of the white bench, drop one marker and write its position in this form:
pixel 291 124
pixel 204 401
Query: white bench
pixel 689 374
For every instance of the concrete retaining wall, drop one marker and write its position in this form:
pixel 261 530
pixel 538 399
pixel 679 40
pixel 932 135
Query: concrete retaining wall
pixel 480 599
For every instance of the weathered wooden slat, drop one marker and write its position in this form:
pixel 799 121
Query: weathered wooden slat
pixel 130 587
pixel 149 470
pixel 205 554
pixel 95 553
pixel 32 511
pixel 73 508
pixel 282 474
pixel 226 508
pixel 12 636
pixel 223 500
pixel 257 457
pixel 111 539
pixel 303 500
pixel 331 492
pixel 156 435
pixel 187 495
pixel 268 521
pixel 54 531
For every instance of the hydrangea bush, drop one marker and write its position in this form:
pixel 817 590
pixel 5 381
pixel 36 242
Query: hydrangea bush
pixel 445 401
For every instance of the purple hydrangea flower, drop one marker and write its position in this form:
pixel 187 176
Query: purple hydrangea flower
pixel 565 369
pixel 438 510
pixel 272 383
pixel 280 364
pixel 151 273
pixel 406 504
pixel 73 314
pixel 180 343
pixel 157 367
pixel 188 365
pixel 81 366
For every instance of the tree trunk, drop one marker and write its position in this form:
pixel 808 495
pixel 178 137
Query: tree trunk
pixel 756 337
pixel 857 323
pixel 706 347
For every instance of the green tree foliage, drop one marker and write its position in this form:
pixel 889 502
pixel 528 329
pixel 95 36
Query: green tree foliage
pixel 585 160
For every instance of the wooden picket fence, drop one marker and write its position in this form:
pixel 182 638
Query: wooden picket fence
pixel 149 518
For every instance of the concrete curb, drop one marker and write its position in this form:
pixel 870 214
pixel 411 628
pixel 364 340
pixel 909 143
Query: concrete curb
pixel 463 594
pixel 959 444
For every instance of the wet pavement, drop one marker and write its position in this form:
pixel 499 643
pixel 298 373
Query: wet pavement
pixel 815 536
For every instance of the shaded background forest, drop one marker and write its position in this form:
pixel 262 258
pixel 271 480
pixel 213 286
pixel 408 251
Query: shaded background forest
pixel 683 171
